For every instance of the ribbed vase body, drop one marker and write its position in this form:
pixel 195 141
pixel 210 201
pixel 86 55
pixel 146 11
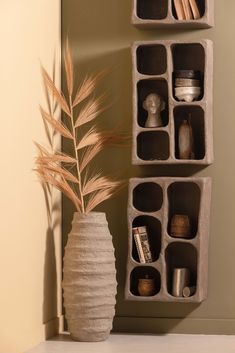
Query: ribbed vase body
pixel 89 280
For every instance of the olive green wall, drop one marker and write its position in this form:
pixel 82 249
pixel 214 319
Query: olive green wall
pixel 101 35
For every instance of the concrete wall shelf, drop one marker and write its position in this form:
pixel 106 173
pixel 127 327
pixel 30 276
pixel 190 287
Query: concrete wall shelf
pixel 161 14
pixel 173 196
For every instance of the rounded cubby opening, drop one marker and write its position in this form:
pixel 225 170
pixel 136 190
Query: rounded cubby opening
pixel 152 9
pixel 145 273
pixel 181 256
pixel 154 231
pixel 200 4
pixel 189 57
pixel 184 199
pixel 194 117
pixel 148 197
pixel 151 59
pixel 153 146
pixel 149 87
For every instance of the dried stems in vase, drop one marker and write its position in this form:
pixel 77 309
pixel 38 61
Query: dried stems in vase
pixel 70 173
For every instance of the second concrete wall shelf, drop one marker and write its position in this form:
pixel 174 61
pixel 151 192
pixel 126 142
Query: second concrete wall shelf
pixel 154 65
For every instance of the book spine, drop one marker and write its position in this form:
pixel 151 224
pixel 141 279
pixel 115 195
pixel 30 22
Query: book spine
pixel 145 244
pixel 138 245
pixel 187 9
pixel 179 9
pixel 195 9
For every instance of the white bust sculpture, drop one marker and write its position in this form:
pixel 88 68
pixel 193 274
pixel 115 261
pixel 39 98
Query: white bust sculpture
pixel 154 105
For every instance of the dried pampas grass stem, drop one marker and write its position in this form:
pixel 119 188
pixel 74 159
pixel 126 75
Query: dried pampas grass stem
pixel 69 173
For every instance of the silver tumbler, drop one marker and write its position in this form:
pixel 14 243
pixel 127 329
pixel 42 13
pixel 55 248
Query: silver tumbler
pixel 181 279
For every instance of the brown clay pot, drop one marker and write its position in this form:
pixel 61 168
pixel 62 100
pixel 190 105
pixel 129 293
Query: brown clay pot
pixel 180 226
pixel 146 287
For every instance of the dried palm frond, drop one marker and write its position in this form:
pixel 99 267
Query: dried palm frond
pixel 108 138
pixel 68 63
pixel 68 173
pixel 98 182
pixel 61 185
pixel 54 169
pixel 100 196
pixel 56 124
pixel 87 87
pixel 91 110
pixel 60 158
pixel 91 137
pixel 54 91
pixel 89 154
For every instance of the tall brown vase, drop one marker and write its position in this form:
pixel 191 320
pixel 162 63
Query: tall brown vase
pixel 89 280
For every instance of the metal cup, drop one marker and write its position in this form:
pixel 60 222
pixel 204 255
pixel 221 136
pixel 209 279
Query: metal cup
pixel 181 279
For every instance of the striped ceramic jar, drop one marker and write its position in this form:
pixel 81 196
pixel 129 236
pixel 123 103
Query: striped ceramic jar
pixel 89 280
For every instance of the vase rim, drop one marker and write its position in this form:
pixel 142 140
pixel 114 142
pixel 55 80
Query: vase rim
pixel 89 215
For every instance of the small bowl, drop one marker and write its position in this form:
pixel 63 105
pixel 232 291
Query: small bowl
pixel 187 94
pixel 189 74
pixel 186 82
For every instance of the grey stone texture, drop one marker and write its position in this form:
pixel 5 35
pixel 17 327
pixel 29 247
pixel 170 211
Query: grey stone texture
pixel 150 14
pixel 152 203
pixel 89 280
pixel 154 63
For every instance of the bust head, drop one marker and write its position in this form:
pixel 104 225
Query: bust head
pixel 154 103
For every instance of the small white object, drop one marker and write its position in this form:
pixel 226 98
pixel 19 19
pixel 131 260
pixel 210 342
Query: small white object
pixel 187 94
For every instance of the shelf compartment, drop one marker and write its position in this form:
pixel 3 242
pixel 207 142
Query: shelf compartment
pixel 150 14
pixel 148 197
pixel 151 59
pixel 139 273
pixel 154 230
pixel 196 116
pixel 152 9
pixel 184 199
pixel 201 6
pixel 189 57
pixel 146 87
pixel 153 145
pixel 181 255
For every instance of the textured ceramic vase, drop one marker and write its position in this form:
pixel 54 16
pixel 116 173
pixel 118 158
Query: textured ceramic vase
pixel 185 140
pixel 89 280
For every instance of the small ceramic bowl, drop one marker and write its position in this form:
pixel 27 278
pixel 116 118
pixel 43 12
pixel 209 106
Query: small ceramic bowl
pixel 190 74
pixel 186 82
pixel 187 94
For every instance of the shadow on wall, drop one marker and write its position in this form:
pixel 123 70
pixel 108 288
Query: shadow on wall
pixel 53 207
pixel 50 288
pixel 117 162
pixel 50 285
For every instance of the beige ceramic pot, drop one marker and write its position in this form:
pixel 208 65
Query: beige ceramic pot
pixel 89 280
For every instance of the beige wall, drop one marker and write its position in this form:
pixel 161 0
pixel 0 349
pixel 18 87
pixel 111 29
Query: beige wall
pixel 101 34
pixel 29 32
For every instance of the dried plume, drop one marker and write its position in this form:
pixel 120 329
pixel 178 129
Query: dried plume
pixel 70 173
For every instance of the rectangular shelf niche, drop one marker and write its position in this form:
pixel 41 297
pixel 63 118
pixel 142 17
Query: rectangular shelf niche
pixel 148 14
pixel 152 203
pixel 154 64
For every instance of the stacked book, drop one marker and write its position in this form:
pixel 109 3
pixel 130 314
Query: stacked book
pixel 187 10
pixel 142 244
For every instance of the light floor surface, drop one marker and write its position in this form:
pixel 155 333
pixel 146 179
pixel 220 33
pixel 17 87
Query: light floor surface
pixel 129 343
